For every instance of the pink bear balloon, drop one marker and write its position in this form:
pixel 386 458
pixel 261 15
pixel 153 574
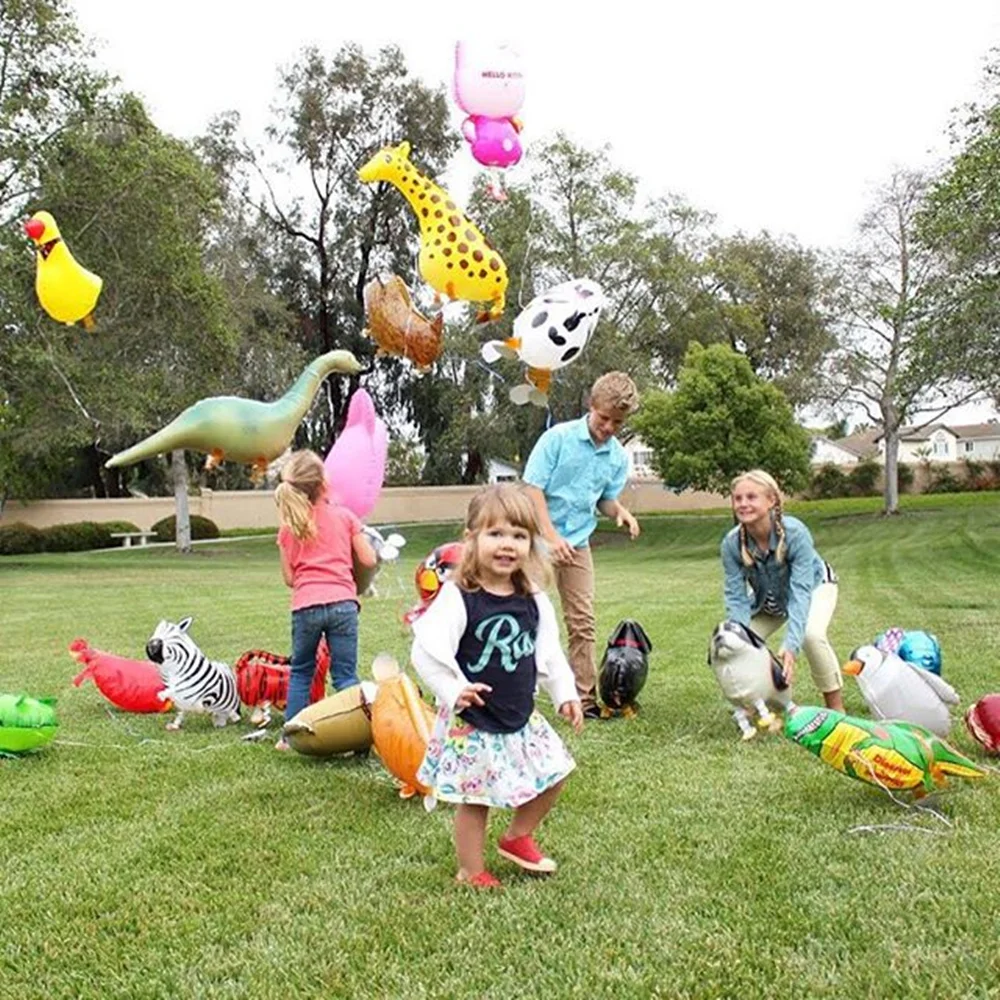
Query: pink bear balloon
pixel 489 88
pixel 355 465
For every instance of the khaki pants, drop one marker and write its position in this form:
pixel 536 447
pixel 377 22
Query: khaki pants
pixel 823 663
pixel 575 581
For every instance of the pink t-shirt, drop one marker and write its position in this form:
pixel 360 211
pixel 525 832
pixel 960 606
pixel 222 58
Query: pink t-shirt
pixel 323 567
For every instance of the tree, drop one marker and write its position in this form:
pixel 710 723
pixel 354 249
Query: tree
pixel 721 420
pixel 132 204
pixel 837 430
pixel 578 216
pixel 331 232
pixel 882 364
pixel 769 300
pixel 960 222
pixel 46 85
pixel 404 462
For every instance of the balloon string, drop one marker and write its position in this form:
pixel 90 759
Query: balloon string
pixel 897 827
pixel 855 759
pixel 527 253
pixel 178 749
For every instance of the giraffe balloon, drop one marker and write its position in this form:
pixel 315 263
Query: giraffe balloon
pixel 455 258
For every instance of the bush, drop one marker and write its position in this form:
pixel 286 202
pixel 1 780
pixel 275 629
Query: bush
pixel 829 482
pixel 993 473
pixel 115 526
pixel 201 527
pixel 76 537
pixel 943 481
pixel 904 473
pixel 977 477
pixel 863 478
pixel 18 538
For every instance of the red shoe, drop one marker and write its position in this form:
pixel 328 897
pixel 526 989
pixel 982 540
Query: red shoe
pixel 524 851
pixel 484 880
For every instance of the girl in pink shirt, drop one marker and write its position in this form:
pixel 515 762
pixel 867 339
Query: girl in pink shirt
pixel 318 540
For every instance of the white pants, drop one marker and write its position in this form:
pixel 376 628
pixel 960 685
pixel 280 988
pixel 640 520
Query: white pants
pixel 823 663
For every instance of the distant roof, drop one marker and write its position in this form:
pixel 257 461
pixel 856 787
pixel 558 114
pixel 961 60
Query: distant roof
pixel 860 444
pixel 976 430
pixel 960 431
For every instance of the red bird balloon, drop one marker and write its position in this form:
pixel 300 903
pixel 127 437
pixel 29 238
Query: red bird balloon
pixel 131 685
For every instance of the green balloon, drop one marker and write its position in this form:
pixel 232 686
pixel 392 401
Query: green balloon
pixel 26 723
pixel 894 755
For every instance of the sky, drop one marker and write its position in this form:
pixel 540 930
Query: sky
pixel 772 114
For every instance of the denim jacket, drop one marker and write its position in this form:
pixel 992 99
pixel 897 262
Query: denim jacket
pixel 790 585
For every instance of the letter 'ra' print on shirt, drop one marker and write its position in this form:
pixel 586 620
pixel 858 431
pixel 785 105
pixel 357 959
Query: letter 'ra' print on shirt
pixel 501 633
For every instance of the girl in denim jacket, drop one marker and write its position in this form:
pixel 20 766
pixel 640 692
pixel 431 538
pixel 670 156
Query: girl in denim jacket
pixel 773 575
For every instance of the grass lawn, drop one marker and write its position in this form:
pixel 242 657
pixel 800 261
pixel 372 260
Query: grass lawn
pixel 138 863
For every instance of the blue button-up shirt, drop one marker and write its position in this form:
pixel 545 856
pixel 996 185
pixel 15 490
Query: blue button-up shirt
pixel 575 475
pixel 788 585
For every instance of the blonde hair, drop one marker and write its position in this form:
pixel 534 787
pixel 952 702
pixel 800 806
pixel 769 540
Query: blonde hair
pixel 490 506
pixel 302 485
pixel 767 482
pixel 617 391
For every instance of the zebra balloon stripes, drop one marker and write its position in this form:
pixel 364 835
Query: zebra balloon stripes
pixel 194 683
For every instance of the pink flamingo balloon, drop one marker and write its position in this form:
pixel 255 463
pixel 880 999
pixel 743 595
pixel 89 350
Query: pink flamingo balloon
pixel 355 465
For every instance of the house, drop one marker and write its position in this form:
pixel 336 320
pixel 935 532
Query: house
pixel 947 443
pixel 933 442
pixel 843 451
pixel 500 471
pixel 640 459
pixel 978 442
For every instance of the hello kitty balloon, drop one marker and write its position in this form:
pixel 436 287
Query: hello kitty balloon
pixel 488 79
pixel 489 88
pixel 550 333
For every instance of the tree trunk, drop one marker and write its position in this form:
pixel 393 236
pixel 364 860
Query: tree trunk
pixel 179 467
pixel 890 491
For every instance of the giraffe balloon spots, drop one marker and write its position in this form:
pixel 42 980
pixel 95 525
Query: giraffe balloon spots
pixel 457 279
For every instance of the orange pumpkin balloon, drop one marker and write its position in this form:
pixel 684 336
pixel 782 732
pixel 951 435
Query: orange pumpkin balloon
pixel 401 726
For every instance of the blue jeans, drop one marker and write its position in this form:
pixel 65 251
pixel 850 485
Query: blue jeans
pixel 339 623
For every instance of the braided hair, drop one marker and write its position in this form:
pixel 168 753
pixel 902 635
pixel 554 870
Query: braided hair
pixel 769 484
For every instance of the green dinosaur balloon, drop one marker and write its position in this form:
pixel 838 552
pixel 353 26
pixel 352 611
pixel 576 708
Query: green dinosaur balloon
pixel 896 755
pixel 241 430
pixel 26 723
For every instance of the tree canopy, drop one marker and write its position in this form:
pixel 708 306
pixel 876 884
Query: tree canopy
pixel 721 420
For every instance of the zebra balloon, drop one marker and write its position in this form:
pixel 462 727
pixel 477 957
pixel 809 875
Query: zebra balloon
pixel 194 683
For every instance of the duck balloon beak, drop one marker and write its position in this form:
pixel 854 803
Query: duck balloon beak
pixel 853 667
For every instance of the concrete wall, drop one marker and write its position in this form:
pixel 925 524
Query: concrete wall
pixel 255 508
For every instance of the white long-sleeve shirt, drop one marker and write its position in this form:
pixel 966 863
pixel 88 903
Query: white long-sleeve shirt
pixel 438 632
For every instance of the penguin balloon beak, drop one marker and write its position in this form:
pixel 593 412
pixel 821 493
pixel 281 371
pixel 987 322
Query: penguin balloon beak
pixel 853 667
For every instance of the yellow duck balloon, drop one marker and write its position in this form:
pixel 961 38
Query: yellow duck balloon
pixel 66 291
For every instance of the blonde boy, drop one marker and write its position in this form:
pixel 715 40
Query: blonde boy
pixel 575 469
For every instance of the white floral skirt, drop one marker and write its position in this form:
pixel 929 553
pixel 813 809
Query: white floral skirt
pixel 467 765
